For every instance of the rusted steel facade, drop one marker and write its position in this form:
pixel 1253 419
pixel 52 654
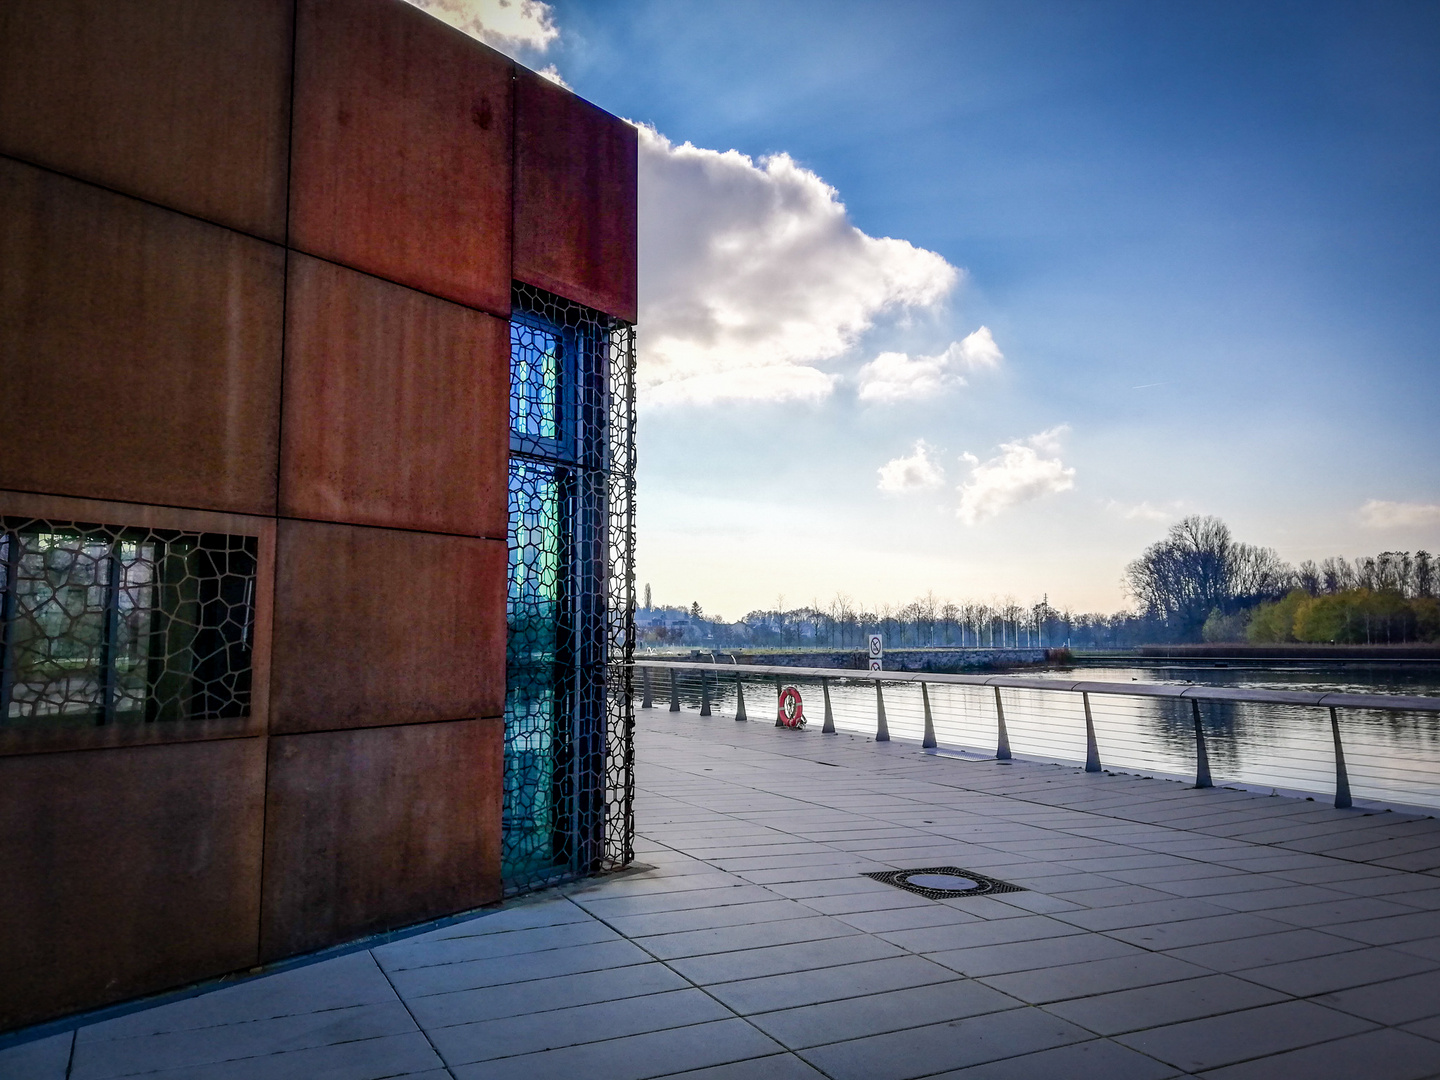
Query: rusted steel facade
pixel 258 260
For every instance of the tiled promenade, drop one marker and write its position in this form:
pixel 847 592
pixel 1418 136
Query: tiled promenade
pixel 1165 932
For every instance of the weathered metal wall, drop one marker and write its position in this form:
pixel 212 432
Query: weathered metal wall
pixel 212 318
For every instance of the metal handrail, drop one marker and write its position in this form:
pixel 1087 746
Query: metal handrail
pixel 1329 699
pixel 1195 693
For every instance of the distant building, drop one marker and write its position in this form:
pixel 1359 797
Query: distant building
pixel 316 477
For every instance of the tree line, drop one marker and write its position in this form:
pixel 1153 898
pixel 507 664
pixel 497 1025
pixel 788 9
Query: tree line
pixel 1196 584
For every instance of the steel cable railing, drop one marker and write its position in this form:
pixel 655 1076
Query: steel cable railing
pixel 1379 748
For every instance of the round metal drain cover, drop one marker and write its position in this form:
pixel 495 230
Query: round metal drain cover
pixel 943 882
pixel 947 882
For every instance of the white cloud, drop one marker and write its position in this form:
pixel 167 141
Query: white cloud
pixel 507 25
pixel 1146 511
pixel 1378 514
pixel 750 267
pixel 1018 474
pixel 918 472
pixel 551 72
pixel 893 376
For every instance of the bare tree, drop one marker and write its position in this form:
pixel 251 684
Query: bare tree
pixel 1198 568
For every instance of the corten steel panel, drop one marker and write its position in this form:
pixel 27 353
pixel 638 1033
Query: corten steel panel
pixel 396 406
pixel 373 829
pixel 402 149
pixel 140 347
pixel 575 170
pixel 126 872
pixel 181 102
pixel 380 626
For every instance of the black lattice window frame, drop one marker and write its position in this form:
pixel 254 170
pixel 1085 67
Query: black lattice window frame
pixel 182 602
pixel 589 453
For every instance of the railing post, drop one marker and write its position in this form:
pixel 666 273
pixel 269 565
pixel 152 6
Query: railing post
pixel 1342 778
pixel 882 729
pixel 779 689
pixel 1002 744
pixel 829 728
pixel 1202 759
pixel 674 690
pixel 704 693
pixel 929 741
pixel 1092 752
pixel 739 699
pixel 647 700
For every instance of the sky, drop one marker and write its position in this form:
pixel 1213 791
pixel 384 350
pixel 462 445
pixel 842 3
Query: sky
pixel 977 298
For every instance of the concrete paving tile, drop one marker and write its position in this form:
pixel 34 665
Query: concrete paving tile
pixel 1099 1059
pixel 1393 884
pixel 368 1059
pixel 736 938
pixel 1428 948
pixel 516 999
pixel 1375 1055
pixel 524 914
pixel 1034 903
pixel 1285 895
pixel 833 886
pixel 778 1067
pixel 852 1018
pixel 1264 949
pixel 1323 974
pixel 1160 911
pixel 39 1059
pixel 1333 872
pixel 782 959
pixel 1240 1036
pixel 345 981
pixel 1430 1028
pixel 488 1039
pixel 105 1058
pixel 611 907
pixel 675 922
pixel 404 955
pixel 829 984
pixel 664 881
pixel 1423 900
pixel 936 1048
pixel 1392 930
pixel 1093 977
pixel 1028 955
pixel 1354 909
pixel 1110 895
pixel 633 1057
pixel 888 900
pixel 1225 885
pixel 445 978
pixel 908 918
pixel 1178 935
pixel 971 935
pixel 1397 1001
pixel 1170 1003
pixel 1163 870
pixel 784 874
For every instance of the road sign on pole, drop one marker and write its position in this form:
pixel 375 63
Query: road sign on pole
pixel 877 652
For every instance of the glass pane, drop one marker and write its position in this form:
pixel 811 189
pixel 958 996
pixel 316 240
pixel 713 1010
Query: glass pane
pixel 534 675
pixel 536 357
pixel 103 623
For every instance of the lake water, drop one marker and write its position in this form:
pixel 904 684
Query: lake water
pixel 1393 759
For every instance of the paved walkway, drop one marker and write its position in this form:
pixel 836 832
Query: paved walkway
pixel 1163 932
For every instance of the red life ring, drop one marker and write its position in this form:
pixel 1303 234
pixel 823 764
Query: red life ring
pixel 792 709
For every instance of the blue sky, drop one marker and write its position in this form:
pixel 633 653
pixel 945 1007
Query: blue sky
pixel 1203 238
